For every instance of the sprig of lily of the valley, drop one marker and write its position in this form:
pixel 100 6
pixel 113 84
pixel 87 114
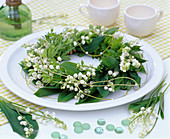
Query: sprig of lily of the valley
pixel 23 120
pixel 120 63
pixel 145 112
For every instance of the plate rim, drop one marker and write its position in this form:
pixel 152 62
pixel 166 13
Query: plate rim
pixel 7 81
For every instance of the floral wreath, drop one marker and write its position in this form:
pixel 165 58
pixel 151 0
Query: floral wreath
pixel 48 67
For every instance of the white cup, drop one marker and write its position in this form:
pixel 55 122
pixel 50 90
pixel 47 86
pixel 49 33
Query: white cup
pixel 140 19
pixel 102 12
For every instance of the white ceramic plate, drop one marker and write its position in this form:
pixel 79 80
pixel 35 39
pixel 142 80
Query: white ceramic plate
pixel 13 80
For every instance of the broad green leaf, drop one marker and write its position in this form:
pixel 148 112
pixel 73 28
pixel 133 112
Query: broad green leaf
pixel 137 56
pixel 65 96
pixel 118 81
pixel 93 90
pixel 110 62
pixel 46 91
pixel 137 105
pixel 135 108
pixel 94 45
pixel 112 30
pixel 129 83
pixel 136 48
pixel 12 116
pixel 142 69
pixel 102 91
pixel 135 76
pixel 70 67
pixel 101 77
pixel 91 99
pixel 23 68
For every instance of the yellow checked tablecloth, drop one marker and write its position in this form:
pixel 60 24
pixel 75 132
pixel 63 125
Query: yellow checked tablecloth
pixel 159 39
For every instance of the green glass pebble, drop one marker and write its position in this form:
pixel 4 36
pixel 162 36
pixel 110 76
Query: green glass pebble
pixel 101 121
pixel 125 122
pixel 119 130
pixel 110 127
pixel 99 130
pixel 55 135
pixel 77 124
pixel 86 126
pixel 63 136
pixel 78 130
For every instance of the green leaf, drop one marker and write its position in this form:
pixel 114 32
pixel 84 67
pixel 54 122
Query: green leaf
pixel 137 56
pixel 23 68
pixel 96 43
pixel 118 81
pixel 110 62
pixel 89 99
pixel 70 67
pixel 142 69
pixel 102 91
pixel 12 116
pixel 93 46
pixel 65 96
pixel 136 48
pixel 137 105
pixel 135 76
pixel 101 77
pixel 65 57
pixel 112 30
pixel 161 105
pixel 46 91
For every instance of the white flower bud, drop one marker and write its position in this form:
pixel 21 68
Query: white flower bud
pixel 71 88
pixel 25 129
pixel 57 67
pixel 105 88
pixel 51 67
pixel 90 33
pixel 87 38
pixel 110 89
pixel 110 72
pixel 46 113
pixel 74 43
pixel 83 42
pixel 59 58
pixel 19 117
pixel 82 37
pixel 76 89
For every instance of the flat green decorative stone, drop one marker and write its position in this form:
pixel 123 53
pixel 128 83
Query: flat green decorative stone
pixel 55 135
pixel 99 130
pixel 86 126
pixel 125 122
pixel 119 130
pixel 110 127
pixel 77 124
pixel 78 130
pixel 101 121
pixel 63 136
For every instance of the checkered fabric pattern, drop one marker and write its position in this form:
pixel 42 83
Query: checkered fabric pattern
pixel 159 39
